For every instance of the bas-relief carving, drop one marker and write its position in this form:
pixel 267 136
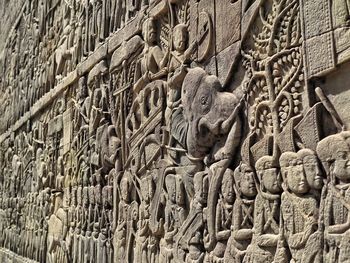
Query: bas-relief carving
pixel 133 152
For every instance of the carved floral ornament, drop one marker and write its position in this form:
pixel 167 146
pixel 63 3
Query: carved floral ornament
pixel 175 131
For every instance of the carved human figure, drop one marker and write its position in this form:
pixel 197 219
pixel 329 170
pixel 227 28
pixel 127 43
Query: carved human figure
pixel 63 51
pixel 118 11
pixel 179 58
pixel 110 148
pixel 70 241
pixel 266 213
pixel 101 246
pixel 57 231
pixel 224 217
pixel 298 208
pixel 86 252
pixel 41 169
pixel 192 236
pixel 82 106
pixel 166 243
pixel 334 152
pixel 132 6
pixel 312 170
pixel 94 243
pixel 315 178
pixel 143 235
pixel 177 68
pixel 125 230
pixel 59 184
pixel 242 215
pixel 153 59
pixel 99 25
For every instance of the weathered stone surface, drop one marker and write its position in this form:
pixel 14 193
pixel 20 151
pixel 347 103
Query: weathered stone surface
pixel 159 131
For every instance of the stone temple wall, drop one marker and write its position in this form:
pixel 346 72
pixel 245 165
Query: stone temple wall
pixel 158 131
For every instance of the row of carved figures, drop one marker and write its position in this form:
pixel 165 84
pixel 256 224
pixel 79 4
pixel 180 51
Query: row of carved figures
pixel 295 207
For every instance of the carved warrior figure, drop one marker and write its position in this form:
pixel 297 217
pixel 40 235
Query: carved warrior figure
pixel 334 153
pixel 143 242
pixel 224 217
pixel 127 216
pixel 153 60
pixel 57 231
pixel 267 237
pixel 242 214
pixel 118 11
pixel 179 58
pixel 298 208
pixel 170 226
pixel 190 240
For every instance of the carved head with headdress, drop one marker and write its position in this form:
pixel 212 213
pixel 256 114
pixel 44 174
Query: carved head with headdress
pixel 170 184
pixel 293 173
pixel 333 152
pixel 227 187
pixel 268 174
pixel 201 185
pixel 312 169
pixel 125 187
pixel 180 37
pixel 244 181
pixel 149 31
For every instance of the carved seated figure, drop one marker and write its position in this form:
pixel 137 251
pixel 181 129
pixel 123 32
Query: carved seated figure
pixel 334 152
pixel 153 61
pixel 298 208
pixel 242 214
pixel 266 213
pixel 179 59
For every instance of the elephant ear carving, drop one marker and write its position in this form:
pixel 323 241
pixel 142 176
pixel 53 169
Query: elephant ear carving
pixel 192 82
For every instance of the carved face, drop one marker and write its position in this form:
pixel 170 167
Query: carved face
pixel 180 38
pixel 227 189
pixel 171 188
pixel 144 191
pixel 341 166
pixel 313 172
pixel 85 198
pixel 201 185
pixel 180 198
pixel 247 184
pixel 205 110
pixel 296 179
pixel 124 190
pixel 149 32
pixel 270 180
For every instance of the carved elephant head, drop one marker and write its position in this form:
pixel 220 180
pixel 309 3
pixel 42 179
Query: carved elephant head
pixel 208 111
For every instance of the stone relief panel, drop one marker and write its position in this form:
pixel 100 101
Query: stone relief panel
pixel 166 131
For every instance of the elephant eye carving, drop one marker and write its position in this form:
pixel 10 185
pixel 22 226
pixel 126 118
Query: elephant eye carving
pixel 204 100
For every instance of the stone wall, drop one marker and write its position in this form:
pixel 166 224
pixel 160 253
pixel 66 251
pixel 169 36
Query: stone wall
pixel 174 131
